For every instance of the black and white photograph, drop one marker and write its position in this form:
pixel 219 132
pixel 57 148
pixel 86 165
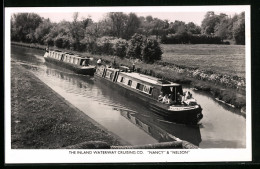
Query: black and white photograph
pixel 127 84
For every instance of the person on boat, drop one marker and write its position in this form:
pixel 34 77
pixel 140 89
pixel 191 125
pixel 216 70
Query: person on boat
pixel 160 97
pixel 170 101
pixel 84 63
pixel 133 67
pixel 180 98
pixel 114 62
pixel 99 61
pixel 187 95
pixel 47 48
pixel 165 99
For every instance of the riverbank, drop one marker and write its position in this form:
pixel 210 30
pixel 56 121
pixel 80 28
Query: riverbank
pixel 41 119
pixel 227 89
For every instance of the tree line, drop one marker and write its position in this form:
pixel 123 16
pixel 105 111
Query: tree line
pixel 125 35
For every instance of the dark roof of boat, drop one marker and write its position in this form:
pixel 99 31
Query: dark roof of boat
pixel 56 50
pixel 69 53
pixel 75 55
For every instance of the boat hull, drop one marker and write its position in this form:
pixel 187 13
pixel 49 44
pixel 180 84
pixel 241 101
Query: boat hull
pixel 191 116
pixel 87 70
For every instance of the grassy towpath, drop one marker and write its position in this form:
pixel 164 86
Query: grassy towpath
pixel 42 119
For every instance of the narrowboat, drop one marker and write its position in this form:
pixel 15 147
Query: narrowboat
pixel 76 63
pixel 162 97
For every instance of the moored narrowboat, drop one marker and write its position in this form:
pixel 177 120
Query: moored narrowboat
pixel 162 97
pixel 70 61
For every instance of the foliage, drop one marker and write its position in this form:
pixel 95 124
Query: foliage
pixel 124 34
pixel 135 46
pixel 209 23
pixel 186 38
pixel 42 31
pixel 239 29
pixel 151 51
pixel 23 26
pixel 120 47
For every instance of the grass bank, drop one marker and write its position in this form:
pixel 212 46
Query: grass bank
pixel 224 59
pixel 223 87
pixel 42 119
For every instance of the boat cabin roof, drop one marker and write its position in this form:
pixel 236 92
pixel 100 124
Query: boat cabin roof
pixel 150 79
pixel 70 54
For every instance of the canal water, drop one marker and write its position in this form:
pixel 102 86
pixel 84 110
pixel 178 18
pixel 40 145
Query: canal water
pixel 221 127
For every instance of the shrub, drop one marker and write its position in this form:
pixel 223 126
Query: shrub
pixel 151 51
pixel 191 39
pixel 104 45
pixel 120 47
pixel 135 46
pixel 58 42
pixel 49 41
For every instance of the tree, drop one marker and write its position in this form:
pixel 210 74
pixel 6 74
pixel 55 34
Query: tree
pixel 132 25
pixel 119 22
pixel 42 30
pixel 153 26
pixel 120 47
pixel 151 51
pixel 149 18
pixel 192 28
pixel 76 32
pixel 24 25
pixel 209 23
pixel 135 46
pixel 58 31
pixel 158 27
pixel 239 29
pixel 224 28
pixel 87 22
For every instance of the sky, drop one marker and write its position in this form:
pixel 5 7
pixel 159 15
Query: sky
pixel 195 17
pixel 182 13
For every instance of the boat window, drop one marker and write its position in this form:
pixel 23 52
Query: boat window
pixel 150 91
pixel 122 80
pixel 129 82
pixel 146 89
pixel 111 75
pixel 108 74
pixel 140 86
pixel 76 61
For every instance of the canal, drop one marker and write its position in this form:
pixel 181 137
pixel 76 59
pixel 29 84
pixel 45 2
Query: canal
pixel 221 127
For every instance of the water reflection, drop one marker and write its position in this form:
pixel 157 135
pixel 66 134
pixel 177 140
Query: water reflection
pixel 163 131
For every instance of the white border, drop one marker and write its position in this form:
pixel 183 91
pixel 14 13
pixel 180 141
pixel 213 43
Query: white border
pixel 14 156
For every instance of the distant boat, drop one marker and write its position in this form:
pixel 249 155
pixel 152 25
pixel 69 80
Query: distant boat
pixel 149 90
pixel 70 61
